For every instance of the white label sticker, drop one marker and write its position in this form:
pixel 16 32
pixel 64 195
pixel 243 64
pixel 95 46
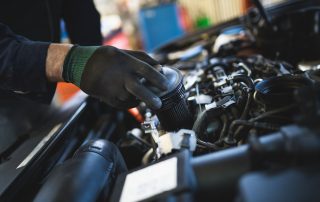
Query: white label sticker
pixel 39 146
pixel 150 181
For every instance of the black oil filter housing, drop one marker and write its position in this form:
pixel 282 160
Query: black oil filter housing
pixel 174 113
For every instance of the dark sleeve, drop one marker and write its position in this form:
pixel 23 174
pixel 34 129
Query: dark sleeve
pixel 22 64
pixel 82 22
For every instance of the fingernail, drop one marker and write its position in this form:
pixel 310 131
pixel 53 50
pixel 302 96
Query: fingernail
pixel 156 102
pixel 159 68
pixel 165 85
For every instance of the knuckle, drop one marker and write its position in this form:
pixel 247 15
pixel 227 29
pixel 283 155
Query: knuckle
pixel 144 54
pixel 142 68
pixel 133 86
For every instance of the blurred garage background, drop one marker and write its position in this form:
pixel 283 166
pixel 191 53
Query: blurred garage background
pixel 148 24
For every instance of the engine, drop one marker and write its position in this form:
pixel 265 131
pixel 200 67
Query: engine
pixel 220 97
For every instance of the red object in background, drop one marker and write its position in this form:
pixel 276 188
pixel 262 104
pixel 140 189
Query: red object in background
pixel 246 5
pixel 65 91
pixel 120 40
pixel 136 114
pixel 184 18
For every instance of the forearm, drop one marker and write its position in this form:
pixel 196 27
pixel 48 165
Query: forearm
pixel 22 63
pixel 54 62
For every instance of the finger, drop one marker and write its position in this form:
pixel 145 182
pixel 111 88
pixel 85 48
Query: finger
pixel 143 57
pixel 119 104
pixel 152 75
pixel 127 104
pixel 130 100
pixel 144 94
pixel 125 95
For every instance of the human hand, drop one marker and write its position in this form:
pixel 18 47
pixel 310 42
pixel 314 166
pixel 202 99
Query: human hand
pixel 114 75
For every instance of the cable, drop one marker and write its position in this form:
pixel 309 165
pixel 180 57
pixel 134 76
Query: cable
pixel 225 125
pixel 264 125
pixel 246 108
pixel 209 145
pixel 245 79
pixel 272 112
pixel 252 122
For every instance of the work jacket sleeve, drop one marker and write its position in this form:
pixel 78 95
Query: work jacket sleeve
pixel 22 66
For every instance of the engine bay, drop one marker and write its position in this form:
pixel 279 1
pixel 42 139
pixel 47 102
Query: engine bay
pixel 244 80
pixel 239 122
pixel 233 88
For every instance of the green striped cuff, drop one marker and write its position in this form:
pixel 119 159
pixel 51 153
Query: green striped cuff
pixel 75 62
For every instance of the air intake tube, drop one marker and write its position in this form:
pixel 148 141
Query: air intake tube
pixel 86 177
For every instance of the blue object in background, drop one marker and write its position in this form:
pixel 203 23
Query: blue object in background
pixel 64 38
pixel 159 25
